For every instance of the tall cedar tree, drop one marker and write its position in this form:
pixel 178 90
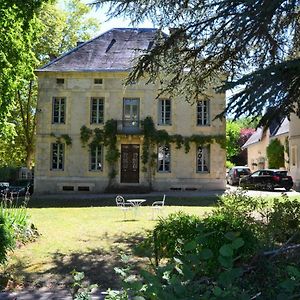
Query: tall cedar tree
pixel 248 45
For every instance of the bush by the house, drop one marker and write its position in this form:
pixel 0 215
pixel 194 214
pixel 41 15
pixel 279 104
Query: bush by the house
pixel 15 227
pixel 245 249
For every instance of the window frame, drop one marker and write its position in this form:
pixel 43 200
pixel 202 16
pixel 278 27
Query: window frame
pixel 98 81
pixel 60 81
pixel 60 156
pixel 202 170
pixel 203 113
pixel 98 112
pixel 294 154
pixel 61 110
pixel 166 165
pixel 162 112
pixel 98 159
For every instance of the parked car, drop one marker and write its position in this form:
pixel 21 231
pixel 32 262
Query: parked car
pixel 236 173
pixel 21 187
pixel 267 179
pixel 4 186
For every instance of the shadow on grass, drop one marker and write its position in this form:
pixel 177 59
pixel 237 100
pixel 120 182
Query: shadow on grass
pixel 61 201
pixel 98 264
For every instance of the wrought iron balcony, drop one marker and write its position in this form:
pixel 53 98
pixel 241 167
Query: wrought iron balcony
pixel 129 127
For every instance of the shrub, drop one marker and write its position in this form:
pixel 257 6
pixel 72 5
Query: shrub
pixel 172 232
pixel 284 221
pixel 222 224
pixel 15 227
pixel 275 154
pixel 7 240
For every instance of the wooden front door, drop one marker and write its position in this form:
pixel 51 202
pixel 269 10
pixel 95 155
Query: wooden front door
pixel 130 157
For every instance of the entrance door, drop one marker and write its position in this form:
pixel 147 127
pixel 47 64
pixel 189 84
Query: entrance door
pixel 131 112
pixel 130 157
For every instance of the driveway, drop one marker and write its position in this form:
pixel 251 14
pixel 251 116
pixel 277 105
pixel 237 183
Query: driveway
pixel 256 193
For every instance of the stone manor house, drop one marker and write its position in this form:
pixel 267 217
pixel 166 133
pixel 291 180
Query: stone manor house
pixel 94 133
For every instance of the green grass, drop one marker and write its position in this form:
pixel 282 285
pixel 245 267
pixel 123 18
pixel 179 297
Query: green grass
pixel 88 235
pixel 89 239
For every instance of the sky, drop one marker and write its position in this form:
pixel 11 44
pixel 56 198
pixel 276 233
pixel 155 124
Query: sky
pixel 100 14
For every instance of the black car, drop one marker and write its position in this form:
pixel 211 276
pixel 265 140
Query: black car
pixel 4 186
pixel 235 173
pixel 21 187
pixel 267 179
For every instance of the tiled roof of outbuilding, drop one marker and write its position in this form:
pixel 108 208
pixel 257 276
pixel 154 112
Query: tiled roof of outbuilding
pixel 113 50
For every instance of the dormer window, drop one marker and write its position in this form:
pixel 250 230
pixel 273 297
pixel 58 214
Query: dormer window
pixel 98 81
pixel 60 81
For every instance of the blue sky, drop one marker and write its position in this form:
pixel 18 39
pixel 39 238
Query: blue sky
pixel 100 14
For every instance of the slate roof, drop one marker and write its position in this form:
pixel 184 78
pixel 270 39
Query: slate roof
pixel 284 127
pixel 254 138
pixel 113 50
pixel 275 129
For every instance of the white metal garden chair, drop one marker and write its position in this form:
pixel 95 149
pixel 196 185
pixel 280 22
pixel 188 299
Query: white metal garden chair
pixel 122 204
pixel 158 206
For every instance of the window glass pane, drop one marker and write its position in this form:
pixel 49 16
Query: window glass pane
pixel 59 110
pixel 164 158
pixel 165 111
pixel 97 110
pixel 203 113
pixel 57 156
pixel 96 159
pixel 203 159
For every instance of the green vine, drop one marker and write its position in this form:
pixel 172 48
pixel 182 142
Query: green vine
pixel 65 137
pixel 113 154
pixel 85 134
pixel 154 136
pixel 106 136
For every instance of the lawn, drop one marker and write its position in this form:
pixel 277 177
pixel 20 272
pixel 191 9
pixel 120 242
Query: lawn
pixel 89 239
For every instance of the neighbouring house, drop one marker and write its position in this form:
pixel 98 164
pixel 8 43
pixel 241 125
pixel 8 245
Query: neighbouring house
pixel 257 144
pixel 94 133
pixel 294 148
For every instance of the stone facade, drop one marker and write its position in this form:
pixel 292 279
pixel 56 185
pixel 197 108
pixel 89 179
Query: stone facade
pixel 257 144
pixel 294 145
pixel 74 169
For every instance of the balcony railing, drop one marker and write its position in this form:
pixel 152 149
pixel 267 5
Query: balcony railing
pixel 129 126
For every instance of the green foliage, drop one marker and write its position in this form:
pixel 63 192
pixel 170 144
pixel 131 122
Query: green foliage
pixel 67 139
pixel 80 290
pixel 106 136
pixel 223 225
pixel 171 233
pixel 275 154
pixel 85 134
pixel 222 256
pixel 232 137
pixel 284 221
pixel 46 33
pixel 153 136
pixel 15 227
pixel 229 164
pixel 7 240
pixel 63 26
pixel 8 173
